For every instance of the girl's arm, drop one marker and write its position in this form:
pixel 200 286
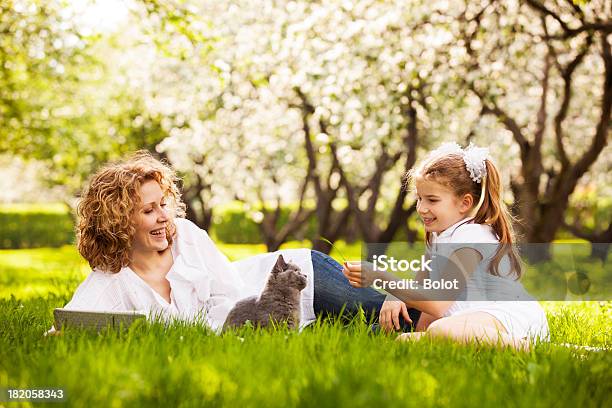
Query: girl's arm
pixel 392 308
pixel 461 264
pixel 425 319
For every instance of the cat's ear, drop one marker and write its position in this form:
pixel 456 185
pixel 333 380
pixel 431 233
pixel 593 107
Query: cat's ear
pixel 280 265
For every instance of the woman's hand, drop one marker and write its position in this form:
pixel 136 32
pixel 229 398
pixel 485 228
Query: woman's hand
pixel 388 318
pixel 360 274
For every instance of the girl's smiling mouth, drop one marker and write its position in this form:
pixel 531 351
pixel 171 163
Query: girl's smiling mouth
pixel 428 220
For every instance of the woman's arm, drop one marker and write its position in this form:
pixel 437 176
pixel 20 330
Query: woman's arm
pixel 225 284
pixel 461 264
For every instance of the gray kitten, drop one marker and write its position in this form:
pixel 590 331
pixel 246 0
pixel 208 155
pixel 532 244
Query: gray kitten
pixel 279 301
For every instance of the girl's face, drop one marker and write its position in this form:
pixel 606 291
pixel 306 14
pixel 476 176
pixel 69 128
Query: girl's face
pixel 151 219
pixel 438 205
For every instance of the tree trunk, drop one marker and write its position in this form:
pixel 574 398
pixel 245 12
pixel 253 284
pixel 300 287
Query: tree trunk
pixel 330 223
pixel 541 212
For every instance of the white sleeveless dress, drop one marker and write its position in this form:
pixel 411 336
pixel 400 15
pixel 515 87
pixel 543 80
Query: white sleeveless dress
pixel 522 318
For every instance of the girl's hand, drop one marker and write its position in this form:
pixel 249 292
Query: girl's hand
pixel 360 274
pixel 389 315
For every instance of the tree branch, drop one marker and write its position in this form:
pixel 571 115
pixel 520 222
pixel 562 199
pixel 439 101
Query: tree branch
pixel 541 118
pixel 547 12
pixel 593 236
pixel 491 108
pixel 605 27
pixel 566 75
pixel 603 127
pixel 307 109
pixel 296 221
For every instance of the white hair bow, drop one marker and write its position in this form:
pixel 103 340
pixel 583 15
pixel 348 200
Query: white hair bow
pixel 473 156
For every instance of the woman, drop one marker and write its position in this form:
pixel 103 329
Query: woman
pixel 146 257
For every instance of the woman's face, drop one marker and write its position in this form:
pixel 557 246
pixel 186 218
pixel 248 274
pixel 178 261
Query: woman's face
pixel 151 219
pixel 438 205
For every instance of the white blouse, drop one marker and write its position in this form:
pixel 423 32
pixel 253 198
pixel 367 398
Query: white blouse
pixel 204 283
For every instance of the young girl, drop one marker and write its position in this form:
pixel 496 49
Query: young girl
pixel 466 223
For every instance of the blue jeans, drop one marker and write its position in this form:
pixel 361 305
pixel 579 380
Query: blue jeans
pixel 332 292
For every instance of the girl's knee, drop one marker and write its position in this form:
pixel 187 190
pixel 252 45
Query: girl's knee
pixel 440 327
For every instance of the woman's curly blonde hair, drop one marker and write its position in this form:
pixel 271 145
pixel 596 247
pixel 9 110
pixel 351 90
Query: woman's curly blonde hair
pixel 106 227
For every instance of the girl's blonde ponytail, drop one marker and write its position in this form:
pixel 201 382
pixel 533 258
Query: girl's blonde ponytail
pixel 494 212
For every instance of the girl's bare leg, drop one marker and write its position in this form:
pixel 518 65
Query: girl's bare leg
pixel 424 321
pixel 413 336
pixel 468 328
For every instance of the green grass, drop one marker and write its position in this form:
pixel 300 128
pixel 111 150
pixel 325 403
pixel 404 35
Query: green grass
pixel 330 364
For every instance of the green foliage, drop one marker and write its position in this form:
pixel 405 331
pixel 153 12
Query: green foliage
pixel 571 274
pixel 177 19
pixel 34 60
pixel 38 225
pixel 35 226
pixel 589 210
pixel 63 100
pixel 235 224
pixel 232 226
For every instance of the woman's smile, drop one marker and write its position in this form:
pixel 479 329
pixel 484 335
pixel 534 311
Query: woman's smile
pixel 159 233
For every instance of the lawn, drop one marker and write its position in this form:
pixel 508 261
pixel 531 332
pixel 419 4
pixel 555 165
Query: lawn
pixel 333 363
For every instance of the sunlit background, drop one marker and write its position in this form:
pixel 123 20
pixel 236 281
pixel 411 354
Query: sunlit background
pixel 308 107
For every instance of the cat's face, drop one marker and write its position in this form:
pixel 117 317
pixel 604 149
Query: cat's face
pixel 288 274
